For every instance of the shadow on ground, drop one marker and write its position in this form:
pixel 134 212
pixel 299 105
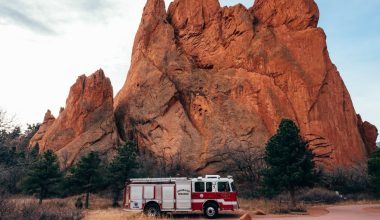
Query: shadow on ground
pixel 200 216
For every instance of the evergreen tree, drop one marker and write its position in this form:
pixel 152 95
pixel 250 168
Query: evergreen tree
pixel 374 171
pixel 122 167
pixel 44 176
pixel 290 163
pixel 85 176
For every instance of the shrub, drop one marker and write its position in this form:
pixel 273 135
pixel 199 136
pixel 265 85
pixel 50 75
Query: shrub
pixel 374 172
pixel 349 180
pixel 319 195
pixel 52 210
pixel 246 164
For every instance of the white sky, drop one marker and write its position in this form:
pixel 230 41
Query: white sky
pixel 45 45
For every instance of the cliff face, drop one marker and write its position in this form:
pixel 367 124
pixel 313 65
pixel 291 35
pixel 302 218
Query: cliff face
pixel 204 77
pixel 87 123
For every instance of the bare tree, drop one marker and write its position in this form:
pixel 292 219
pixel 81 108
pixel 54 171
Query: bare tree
pixel 245 164
pixel 6 122
pixel 163 164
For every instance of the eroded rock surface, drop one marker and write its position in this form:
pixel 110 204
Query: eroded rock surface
pixel 369 134
pixel 47 122
pixel 204 77
pixel 86 123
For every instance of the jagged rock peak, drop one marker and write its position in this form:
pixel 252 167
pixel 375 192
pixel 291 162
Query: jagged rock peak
pixel 192 14
pixel 369 134
pixel 295 14
pixel 88 93
pixel 48 116
pixel 47 122
pixel 86 123
pixel 155 8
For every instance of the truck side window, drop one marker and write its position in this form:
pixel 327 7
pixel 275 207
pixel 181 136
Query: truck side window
pixel 223 187
pixel 199 186
pixel 208 186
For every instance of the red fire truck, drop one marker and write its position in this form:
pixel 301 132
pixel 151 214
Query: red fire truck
pixel 209 194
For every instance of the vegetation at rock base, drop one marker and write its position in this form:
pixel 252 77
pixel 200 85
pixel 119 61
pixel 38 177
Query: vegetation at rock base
pixel 347 180
pixel 374 172
pixel 290 163
pixel 22 171
pixel 246 163
pixel 122 168
pixel 15 158
pixel 85 176
pixel 44 177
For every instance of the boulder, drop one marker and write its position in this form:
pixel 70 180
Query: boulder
pixel 259 212
pixel 245 217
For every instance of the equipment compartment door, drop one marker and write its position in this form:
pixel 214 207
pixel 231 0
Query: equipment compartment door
pixel 136 197
pixel 183 195
pixel 168 197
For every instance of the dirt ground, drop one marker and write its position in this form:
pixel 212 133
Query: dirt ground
pixel 343 212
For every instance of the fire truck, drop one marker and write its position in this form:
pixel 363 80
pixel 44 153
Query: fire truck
pixel 154 196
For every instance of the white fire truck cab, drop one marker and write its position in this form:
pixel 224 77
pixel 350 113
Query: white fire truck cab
pixel 209 194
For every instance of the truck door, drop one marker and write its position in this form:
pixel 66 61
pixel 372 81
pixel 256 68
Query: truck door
pixel 224 191
pixel 167 197
pixel 136 197
pixel 183 195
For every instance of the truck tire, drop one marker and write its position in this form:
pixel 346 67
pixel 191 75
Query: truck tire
pixel 210 210
pixel 152 210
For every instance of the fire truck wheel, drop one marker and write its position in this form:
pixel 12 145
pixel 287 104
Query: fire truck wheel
pixel 210 210
pixel 152 210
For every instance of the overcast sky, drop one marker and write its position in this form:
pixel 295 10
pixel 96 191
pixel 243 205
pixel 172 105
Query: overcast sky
pixel 45 45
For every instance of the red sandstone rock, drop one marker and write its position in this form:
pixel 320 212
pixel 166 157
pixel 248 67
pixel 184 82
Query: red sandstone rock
pixel 203 77
pixel 369 134
pixel 47 122
pixel 245 217
pixel 86 123
pixel 295 14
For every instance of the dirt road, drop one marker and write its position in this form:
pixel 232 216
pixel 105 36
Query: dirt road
pixel 348 212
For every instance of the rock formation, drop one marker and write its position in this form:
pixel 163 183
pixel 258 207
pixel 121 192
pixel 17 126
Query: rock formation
pixel 48 121
pixel 87 123
pixel 369 134
pixel 204 77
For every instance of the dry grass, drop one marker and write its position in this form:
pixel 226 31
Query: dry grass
pixel 267 206
pixel 119 214
pixel 28 208
pixel 100 208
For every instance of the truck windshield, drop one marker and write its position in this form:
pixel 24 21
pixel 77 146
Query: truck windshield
pixel 233 189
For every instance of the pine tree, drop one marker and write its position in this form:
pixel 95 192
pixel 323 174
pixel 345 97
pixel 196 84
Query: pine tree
pixel 374 171
pixel 122 167
pixel 44 177
pixel 290 163
pixel 85 176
